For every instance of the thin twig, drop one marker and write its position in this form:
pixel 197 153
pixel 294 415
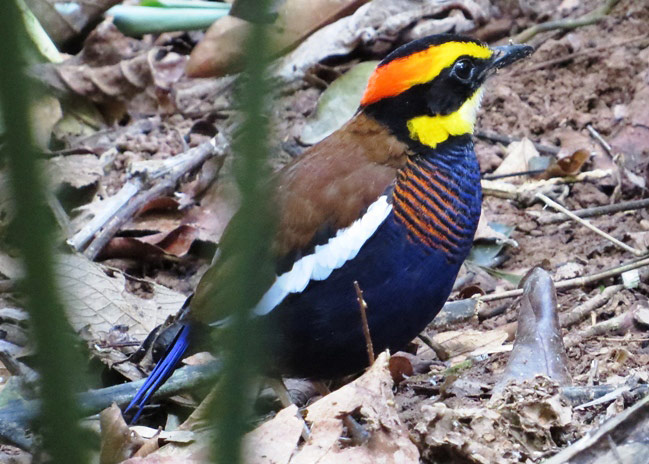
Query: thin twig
pixel 576 282
pixel 588 225
pixel 441 352
pixel 582 311
pixel 278 386
pixel 366 328
pixel 624 340
pixel 571 317
pixel 578 395
pixel 592 212
pixel 616 324
pixel 504 139
pixel 59 213
pixel 597 136
pixel 192 159
pixel 611 396
pixel 532 172
pixel 585 20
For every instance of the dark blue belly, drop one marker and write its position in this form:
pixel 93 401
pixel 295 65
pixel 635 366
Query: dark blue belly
pixel 318 333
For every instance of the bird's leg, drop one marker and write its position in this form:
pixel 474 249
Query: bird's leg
pixel 321 387
pixel 277 384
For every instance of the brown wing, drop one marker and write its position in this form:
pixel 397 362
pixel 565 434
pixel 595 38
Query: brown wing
pixel 334 181
pixel 327 188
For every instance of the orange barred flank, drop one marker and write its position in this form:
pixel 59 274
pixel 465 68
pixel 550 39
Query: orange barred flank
pixel 425 203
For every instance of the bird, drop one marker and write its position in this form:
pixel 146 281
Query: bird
pixel 389 202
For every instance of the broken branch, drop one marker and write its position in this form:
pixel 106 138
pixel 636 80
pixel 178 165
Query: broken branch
pixel 186 163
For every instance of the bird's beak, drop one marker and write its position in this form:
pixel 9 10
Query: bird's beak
pixel 505 55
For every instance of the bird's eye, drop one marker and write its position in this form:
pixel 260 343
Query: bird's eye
pixel 463 69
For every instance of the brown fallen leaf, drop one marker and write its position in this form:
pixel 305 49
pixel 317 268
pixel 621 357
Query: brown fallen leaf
pixel 77 171
pixel 538 348
pixel 275 440
pixel 223 48
pixel 114 70
pixel 118 442
pixel 121 81
pixel 217 206
pixel 518 159
pixel 567 166
pixel 460 344
pixel 371 395
pixel 177 243
pixel 400 366
pixel 159 204
pixel 380 18
pixel 130 248
pixel 97 300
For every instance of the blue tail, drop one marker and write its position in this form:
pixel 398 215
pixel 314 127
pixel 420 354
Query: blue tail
pixel 161 372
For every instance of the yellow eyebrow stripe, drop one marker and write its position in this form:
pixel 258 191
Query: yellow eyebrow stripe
pixel 402 73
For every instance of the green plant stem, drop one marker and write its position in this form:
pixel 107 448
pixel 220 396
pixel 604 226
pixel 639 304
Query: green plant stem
pixel 56 359
pixel 568 23
pixel 247 248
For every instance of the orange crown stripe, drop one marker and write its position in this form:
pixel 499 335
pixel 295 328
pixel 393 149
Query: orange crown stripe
pixel 402 73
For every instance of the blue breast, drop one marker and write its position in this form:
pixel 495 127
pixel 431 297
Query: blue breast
pixel 405 276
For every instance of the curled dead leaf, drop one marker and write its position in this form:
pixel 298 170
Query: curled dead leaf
pixel 177 242
pixel 400 367
pixel 371 394
pixel 118 442
pixel 222 49
pixel 519 155
pixel 568 166
pixel 538 348
pixel 159 204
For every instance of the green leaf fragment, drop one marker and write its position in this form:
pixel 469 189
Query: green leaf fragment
pixel 138 20
pixel 338 103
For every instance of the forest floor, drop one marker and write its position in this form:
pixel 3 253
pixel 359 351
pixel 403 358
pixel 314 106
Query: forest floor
pixel 583 91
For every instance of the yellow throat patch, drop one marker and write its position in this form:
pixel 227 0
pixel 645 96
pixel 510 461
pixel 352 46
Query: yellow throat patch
pixel 433 130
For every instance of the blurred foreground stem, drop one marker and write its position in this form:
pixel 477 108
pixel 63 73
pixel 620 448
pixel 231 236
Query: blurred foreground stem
pixel 250 244
pixel 57 361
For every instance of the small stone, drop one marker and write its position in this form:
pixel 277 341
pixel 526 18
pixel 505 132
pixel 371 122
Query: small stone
pixel 641 316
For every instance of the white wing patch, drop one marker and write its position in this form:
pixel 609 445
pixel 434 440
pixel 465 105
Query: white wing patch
pixel 326 258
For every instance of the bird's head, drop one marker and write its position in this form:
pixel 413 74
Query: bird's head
pixel 429 90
